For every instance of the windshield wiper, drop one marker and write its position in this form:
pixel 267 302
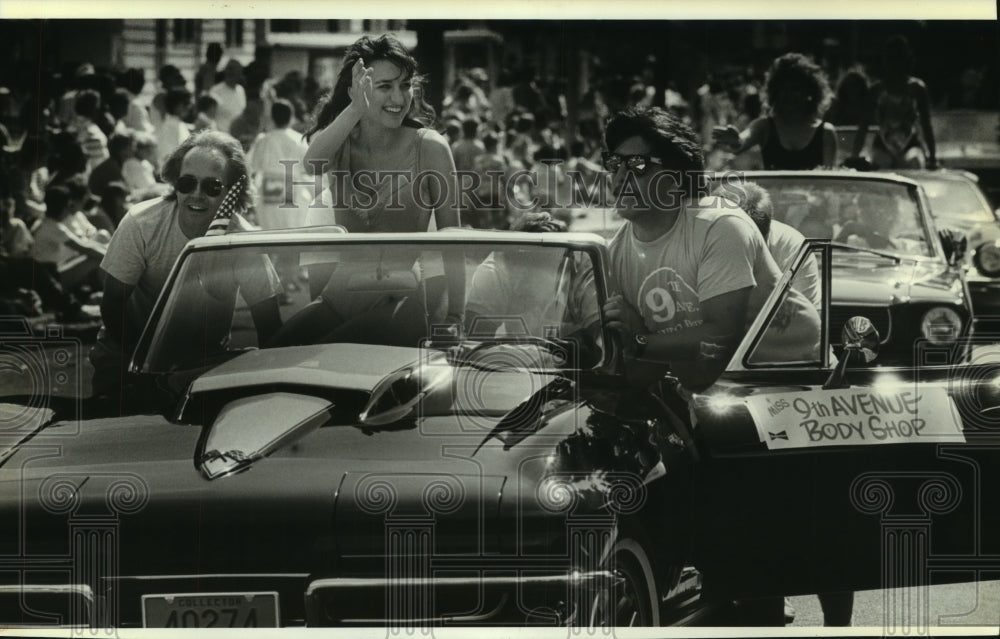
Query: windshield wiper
pixel 528 412
pixel 860 249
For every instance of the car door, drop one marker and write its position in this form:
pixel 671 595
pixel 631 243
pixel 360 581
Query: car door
pixel 816 477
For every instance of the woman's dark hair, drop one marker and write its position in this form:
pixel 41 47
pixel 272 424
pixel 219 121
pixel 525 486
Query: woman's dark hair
pixel 794 70
pixel 673 141
pixel 227 145
pixel 897 57
pixel 388 48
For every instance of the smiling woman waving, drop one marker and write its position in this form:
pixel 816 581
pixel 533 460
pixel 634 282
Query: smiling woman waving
pixel 389 172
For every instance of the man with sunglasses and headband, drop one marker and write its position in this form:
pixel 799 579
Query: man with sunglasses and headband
pixel 693 273
pixel 202 170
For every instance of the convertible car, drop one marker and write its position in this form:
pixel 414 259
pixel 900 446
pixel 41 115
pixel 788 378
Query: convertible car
pixel 957 202
pixel 904 282
pixel 392 470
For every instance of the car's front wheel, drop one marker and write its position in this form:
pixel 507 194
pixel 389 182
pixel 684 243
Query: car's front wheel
pixel 632 601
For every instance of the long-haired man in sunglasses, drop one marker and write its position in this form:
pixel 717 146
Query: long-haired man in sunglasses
pixel 692 273
pixel 203 171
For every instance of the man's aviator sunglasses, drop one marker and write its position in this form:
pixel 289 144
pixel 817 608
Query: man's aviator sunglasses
pixel 212 187
pixel 638 163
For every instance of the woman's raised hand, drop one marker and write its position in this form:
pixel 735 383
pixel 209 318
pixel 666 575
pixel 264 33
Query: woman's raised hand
pixel 726 136
pixel 361 86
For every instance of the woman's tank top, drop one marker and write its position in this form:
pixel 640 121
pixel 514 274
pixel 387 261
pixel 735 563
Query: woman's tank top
pixel 386 203
pixel 778 157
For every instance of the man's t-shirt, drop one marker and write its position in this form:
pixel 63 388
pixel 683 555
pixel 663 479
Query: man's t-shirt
pixel 784 243
pixel 712 249
pixel 709 251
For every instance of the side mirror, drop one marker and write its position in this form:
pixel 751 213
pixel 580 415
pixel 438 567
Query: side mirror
pixel 860 337
pixel 954 244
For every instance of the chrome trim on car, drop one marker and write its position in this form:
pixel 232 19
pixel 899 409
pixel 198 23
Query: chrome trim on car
pixel 81 590
pixel 377 582
pixel 242 575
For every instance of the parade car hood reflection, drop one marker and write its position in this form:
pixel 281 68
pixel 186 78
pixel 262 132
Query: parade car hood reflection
pixel 264 400
pixel 879 281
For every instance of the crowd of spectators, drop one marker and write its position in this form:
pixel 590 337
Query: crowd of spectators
pixel 99 135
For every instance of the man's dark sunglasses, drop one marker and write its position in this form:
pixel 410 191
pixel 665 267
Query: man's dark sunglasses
pixel 212 187
pixel 639 163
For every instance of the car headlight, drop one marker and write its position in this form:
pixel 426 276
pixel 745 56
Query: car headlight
pixel 987 258
pixel 941 325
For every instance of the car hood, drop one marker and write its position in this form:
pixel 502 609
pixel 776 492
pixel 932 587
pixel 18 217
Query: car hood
pixel 331 489
pixel 882 283
pixel 324 496
pixel 133 481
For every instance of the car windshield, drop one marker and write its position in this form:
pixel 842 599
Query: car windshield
pixel 520 298
pixel 865 213
pixel 955 202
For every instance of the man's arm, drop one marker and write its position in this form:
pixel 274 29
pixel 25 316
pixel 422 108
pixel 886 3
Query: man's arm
pixel 708 346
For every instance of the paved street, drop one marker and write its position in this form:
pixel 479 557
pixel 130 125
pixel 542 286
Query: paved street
pixel 952 606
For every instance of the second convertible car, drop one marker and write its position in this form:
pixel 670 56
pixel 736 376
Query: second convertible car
pixel 389 471
pixel 903 281
pixel 957 202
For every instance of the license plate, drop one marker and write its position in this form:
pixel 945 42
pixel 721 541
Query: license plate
pixel 211 610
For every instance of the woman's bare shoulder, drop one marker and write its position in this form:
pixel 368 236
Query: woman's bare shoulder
pixel 434 147
pixel 430 139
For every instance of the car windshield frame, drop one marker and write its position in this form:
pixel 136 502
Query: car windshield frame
pixel 989 215
pixel 740 361
pixel 915 193
pixel 592 245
